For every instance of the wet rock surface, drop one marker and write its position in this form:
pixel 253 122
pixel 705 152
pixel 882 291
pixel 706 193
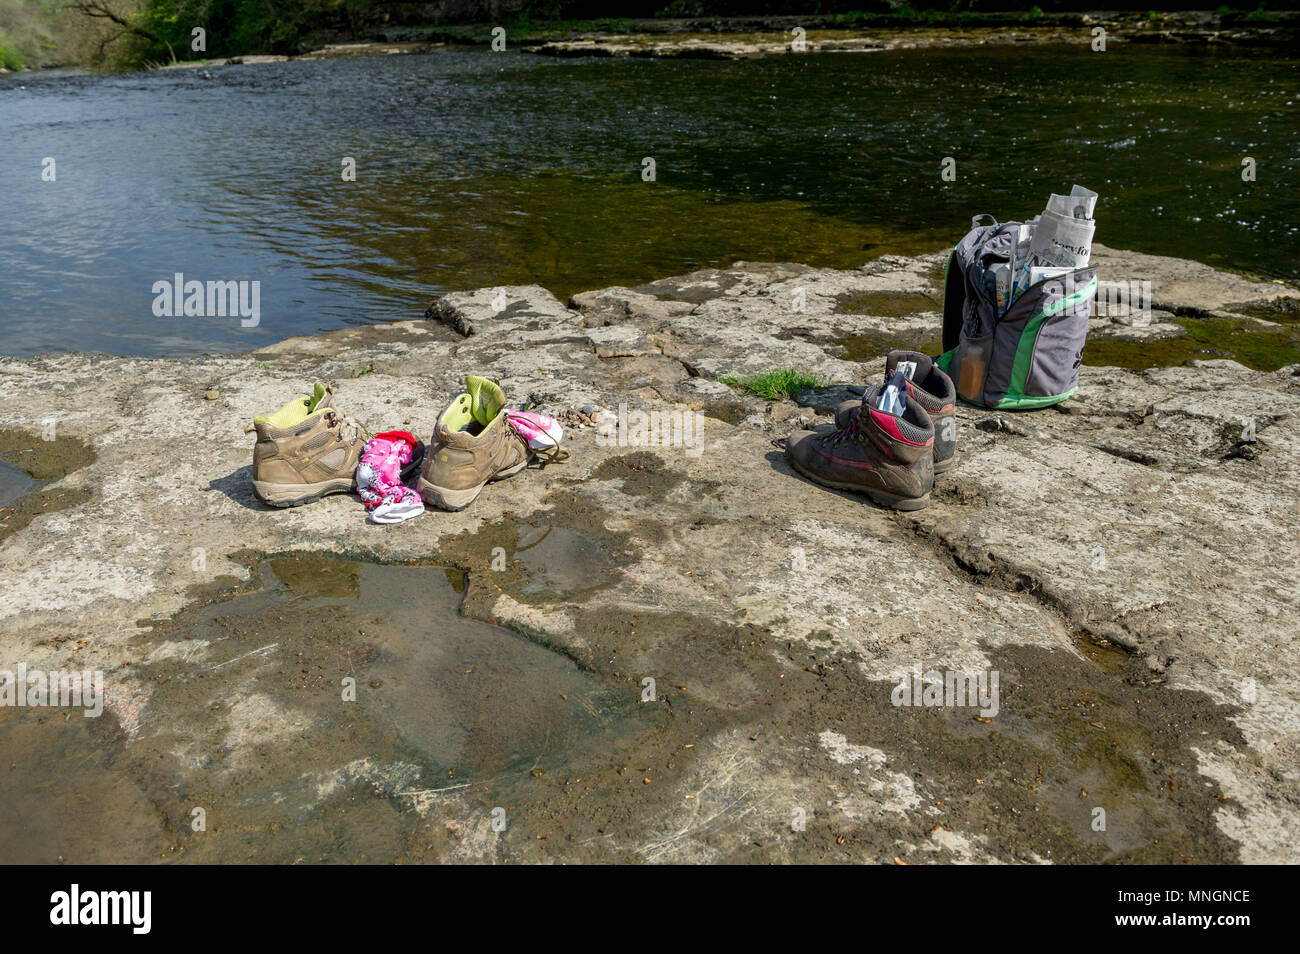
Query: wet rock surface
pixel 687 652
pixel 738 37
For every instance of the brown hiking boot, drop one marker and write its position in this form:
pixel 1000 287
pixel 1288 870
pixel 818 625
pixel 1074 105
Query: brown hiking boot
pixel 305 450
pixel 929 387
pixel 471 445
pixel 888 457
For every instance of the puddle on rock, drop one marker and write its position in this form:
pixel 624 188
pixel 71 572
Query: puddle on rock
pixel 1242 340
pixel 15 483
pixel 60 799
pixel 27 464
pixel 1110 656
pixel 559 561
pixel 534 563
pixel 890 304
pixel 246 719
pixel 874 347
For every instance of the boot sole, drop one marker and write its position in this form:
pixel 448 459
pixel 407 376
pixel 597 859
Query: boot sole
pixel 892 501
pixel 444 498
pixel 294 495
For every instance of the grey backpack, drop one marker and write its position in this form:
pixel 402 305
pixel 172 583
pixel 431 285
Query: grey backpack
pixel 1027 357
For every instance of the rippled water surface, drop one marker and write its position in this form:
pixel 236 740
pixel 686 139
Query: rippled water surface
pixel 477 169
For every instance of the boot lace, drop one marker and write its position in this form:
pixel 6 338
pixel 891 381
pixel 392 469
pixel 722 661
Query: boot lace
pixel 552 455
pixel 846 433
pixel 346 428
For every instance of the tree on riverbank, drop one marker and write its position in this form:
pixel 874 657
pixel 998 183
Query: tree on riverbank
pixel 44 33
pixel 129 24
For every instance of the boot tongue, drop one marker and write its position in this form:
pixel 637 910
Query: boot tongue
pixel 914 365
pixel 486 399
pixel 893 397
pixel 321 398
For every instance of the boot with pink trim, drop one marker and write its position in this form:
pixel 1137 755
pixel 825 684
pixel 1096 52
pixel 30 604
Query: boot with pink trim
pixel 886 454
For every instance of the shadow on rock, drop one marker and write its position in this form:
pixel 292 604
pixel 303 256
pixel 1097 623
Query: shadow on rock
pixel 238 486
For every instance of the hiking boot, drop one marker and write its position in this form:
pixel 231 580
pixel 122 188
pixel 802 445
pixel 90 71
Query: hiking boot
pixel 305 450
pixel 929 387
pixel 888 457
pixel 472 444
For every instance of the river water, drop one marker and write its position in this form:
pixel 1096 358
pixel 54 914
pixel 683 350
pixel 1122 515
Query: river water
pixel 475 168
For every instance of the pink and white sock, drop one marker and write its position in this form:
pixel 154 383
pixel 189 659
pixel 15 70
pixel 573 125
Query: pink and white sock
pixel 379 478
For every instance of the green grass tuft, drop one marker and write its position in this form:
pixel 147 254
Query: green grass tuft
pixel 776 384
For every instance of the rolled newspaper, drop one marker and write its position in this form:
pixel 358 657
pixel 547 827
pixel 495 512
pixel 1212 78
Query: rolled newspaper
pixel 1061 237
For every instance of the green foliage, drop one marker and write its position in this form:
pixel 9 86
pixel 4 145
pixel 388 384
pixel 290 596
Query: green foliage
pixel 236 27
pixel 26 40
pixel 10 57
pixel 776 384
pixel 1258 15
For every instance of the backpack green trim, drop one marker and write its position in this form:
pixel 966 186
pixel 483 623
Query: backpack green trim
pixel 1029 337
pixel 1015 398
pixel 1028 402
